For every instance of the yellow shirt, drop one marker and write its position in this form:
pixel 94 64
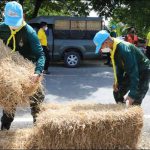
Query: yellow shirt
pixel 42 37
pixel 148 39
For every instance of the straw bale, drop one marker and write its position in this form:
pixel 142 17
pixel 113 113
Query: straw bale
pixel 15 139
pixel 87 126
pixel 15 73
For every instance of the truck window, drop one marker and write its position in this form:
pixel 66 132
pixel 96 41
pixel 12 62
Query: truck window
pixel 94 25
pixel 62 29
pixel 78 25
pixel 92 28
pixel 78 29
pixel 62 25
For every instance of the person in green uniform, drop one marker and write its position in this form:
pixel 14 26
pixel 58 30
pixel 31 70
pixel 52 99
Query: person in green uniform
pixel 21 37
pixel 131 68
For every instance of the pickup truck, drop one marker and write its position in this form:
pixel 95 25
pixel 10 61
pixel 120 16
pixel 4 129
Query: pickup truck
pixel 70 39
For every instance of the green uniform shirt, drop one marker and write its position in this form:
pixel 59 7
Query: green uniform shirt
pixel 129 59
pixel 27 43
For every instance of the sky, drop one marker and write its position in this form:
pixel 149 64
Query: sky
pixel 94 14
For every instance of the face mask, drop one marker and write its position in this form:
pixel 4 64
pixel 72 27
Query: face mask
pixel 46 28
pixel 106 50
pixel 13 28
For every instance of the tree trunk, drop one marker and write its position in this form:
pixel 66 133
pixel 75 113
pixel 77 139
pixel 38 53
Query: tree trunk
pixel 21 2
pixel 36 8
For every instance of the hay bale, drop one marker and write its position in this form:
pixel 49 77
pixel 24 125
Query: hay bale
pixel 15 85
pixel 87 126
pixel 15 139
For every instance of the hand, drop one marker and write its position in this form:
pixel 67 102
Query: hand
pixel 35 78
pixel 115 87
pixel 129 101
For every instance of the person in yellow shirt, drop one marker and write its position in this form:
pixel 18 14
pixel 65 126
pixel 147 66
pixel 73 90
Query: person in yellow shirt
pixel 148 45
pixel 43 40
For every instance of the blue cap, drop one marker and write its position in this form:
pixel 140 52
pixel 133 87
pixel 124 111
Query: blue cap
pixel 99 39
pixel 113 27
pixel 13 13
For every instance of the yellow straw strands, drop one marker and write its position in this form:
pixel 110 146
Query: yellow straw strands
pixel 15 139
pixel 87 126
pixel 79 126
pixel 15 74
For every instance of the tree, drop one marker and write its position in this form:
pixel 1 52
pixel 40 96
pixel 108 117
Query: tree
pixel 21 2
pixel 134 13
pixel 104 8
pixel 35 8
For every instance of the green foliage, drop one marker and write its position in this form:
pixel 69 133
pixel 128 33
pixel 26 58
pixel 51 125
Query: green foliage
pixel 134 13
pixel 119 27
pixel 59 7
pixel 103 7
pixel 2 3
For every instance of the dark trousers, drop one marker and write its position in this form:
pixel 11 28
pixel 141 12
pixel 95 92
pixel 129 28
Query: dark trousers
pixel 47 56
pixel 148 52
pixel 143 87
pixel 36 100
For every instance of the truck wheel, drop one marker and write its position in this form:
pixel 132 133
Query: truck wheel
pixel 72 59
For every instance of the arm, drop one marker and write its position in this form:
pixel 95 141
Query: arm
pixel 37 51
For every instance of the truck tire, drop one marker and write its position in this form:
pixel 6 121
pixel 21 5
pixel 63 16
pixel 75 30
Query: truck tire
pixel 72 59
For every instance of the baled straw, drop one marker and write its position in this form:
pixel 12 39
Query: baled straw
pixel 15 139
pixel 87 126
pixel 15 74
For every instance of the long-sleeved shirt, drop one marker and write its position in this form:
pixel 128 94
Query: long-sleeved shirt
pixel 129 59
pixel 27 43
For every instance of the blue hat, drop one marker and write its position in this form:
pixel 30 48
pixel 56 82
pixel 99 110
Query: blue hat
pixel 13 13
pixel 99 39
pixel 113 27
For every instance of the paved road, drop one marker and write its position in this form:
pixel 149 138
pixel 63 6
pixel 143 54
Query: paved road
pixel 90 82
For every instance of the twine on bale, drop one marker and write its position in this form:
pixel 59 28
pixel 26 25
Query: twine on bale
pixel 15 85
pixel 87 126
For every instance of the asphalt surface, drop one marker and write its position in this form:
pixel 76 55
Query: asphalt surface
pixel 90 82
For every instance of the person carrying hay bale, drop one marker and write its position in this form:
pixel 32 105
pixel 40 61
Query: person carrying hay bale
pixel 131 68
pixel 21 37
